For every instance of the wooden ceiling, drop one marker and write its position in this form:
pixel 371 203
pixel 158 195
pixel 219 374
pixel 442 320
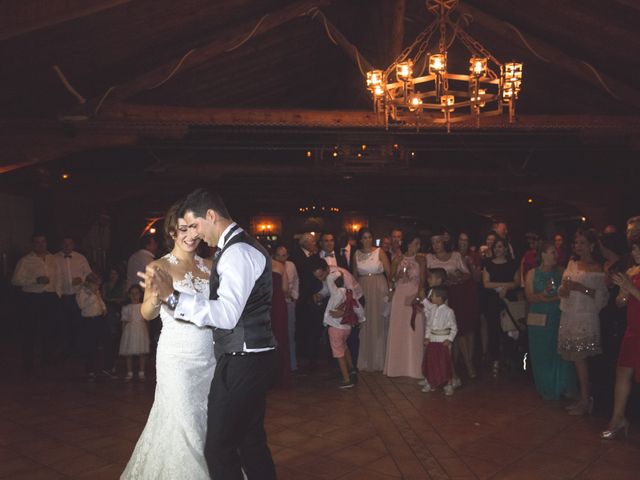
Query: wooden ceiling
pixel 243 115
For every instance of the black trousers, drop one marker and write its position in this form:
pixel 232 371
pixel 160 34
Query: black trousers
pixel 235 428
pixel 38 326
pixel 94 333
pixel 68 324
pixel 309 330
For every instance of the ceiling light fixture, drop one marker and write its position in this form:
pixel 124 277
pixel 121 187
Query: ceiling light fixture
pixel 418 83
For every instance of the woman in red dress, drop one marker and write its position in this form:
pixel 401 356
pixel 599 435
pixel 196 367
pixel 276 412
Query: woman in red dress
pixel 629 358
pixel 468 310
pixel 280 324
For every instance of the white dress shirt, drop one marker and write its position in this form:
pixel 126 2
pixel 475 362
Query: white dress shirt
pixel 337 296
pixel 32 266
pixel 137 263
pixel 294 281
pixel 349 282
pixel 239 268
pixel 329 257
pixel 441 322
pixel 91 305
pixel 70 266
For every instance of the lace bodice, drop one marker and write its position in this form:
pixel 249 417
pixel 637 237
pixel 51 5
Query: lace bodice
pixel 408 271
pixel 578 302
pixel 369 263
pixel 196 283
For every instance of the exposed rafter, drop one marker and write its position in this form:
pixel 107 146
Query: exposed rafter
pixel 20 23
pixel 557 57
pixel 223 42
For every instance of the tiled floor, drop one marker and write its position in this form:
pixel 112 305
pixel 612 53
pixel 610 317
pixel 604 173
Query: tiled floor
pixel 54 425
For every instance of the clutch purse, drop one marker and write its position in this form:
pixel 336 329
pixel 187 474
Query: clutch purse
pixel 536 319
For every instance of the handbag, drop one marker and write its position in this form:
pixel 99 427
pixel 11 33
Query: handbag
pixel 536 319
pixel 513 316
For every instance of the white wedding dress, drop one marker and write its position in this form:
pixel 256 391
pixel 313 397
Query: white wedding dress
pixel 171 446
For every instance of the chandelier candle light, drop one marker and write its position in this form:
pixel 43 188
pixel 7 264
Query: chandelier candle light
pixel 418 84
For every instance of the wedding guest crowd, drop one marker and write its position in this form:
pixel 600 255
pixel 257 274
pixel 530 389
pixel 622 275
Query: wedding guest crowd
pixel 436 308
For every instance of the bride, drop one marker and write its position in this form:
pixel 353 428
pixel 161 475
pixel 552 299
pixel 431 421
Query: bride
pixel 172 443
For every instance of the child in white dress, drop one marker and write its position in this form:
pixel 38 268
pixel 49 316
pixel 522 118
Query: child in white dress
pixel 135 333
pixel 441 330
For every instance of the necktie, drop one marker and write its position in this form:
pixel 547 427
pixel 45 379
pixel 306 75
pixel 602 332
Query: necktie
pixel 67 256
pixel 329 255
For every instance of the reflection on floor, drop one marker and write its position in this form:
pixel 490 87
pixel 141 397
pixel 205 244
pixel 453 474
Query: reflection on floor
pixel 55 425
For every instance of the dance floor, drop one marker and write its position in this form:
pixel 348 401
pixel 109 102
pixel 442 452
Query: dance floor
pixel 55 425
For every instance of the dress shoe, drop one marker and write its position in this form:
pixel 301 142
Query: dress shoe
pixel 621 428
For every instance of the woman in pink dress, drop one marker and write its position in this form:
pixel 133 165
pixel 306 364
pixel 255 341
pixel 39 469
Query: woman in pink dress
pixel 405 343
pixel 462 300
pixel 629 357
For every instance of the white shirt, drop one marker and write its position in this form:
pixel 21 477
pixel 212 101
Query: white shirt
pixel 349 282
pixel 137 263
pixel 294 281
pixel 91 305
pixel 329 257
pixel 337 296
pixel 32 266
pixel 239 269
pixel 73 265
pixel 440 318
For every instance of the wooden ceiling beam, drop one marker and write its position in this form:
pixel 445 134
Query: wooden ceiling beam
pixel 559 59
pixel 48 13
pixel 223 42
pixel 28 141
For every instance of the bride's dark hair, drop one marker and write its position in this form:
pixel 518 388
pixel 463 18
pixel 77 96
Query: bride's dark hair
pixel 170 227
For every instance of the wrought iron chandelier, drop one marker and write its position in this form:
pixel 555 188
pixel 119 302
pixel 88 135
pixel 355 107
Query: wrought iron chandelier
pixel 418 85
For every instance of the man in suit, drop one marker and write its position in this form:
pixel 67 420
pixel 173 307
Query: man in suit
pixel 328 251
pixel 308 311
pixel 239 310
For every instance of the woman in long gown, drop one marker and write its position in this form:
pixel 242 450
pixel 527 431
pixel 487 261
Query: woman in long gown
pixel 462 299
pixel 405 343
pixel 629 358
pixel 583 294
pixel 371 270
pixel 280 324
pixel 172 443
pixel 554 377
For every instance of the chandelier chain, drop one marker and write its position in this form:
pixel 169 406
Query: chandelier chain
pixel 476 47
pixel 423 39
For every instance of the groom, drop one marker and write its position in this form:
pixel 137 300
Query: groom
pixel 239 310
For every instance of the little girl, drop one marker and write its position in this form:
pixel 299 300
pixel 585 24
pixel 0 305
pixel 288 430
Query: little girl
pixel 341 301
pixel 440 332
pixel 135 334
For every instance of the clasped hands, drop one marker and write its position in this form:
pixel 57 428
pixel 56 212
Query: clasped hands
pixel 568 286
pixel 157 281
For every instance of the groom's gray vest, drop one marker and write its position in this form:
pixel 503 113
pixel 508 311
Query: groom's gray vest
pixel 254 325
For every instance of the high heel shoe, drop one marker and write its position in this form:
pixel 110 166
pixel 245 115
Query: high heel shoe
pixel 622 427
pixel 582 408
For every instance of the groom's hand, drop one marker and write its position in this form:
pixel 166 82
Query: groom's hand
pixel 158 281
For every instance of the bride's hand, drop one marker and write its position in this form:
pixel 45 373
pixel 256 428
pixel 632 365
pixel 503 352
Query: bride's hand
pixel 157 280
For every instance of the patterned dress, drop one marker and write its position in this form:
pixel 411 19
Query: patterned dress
pixel 579 334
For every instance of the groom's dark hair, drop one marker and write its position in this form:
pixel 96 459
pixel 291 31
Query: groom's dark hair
pixel 201 200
